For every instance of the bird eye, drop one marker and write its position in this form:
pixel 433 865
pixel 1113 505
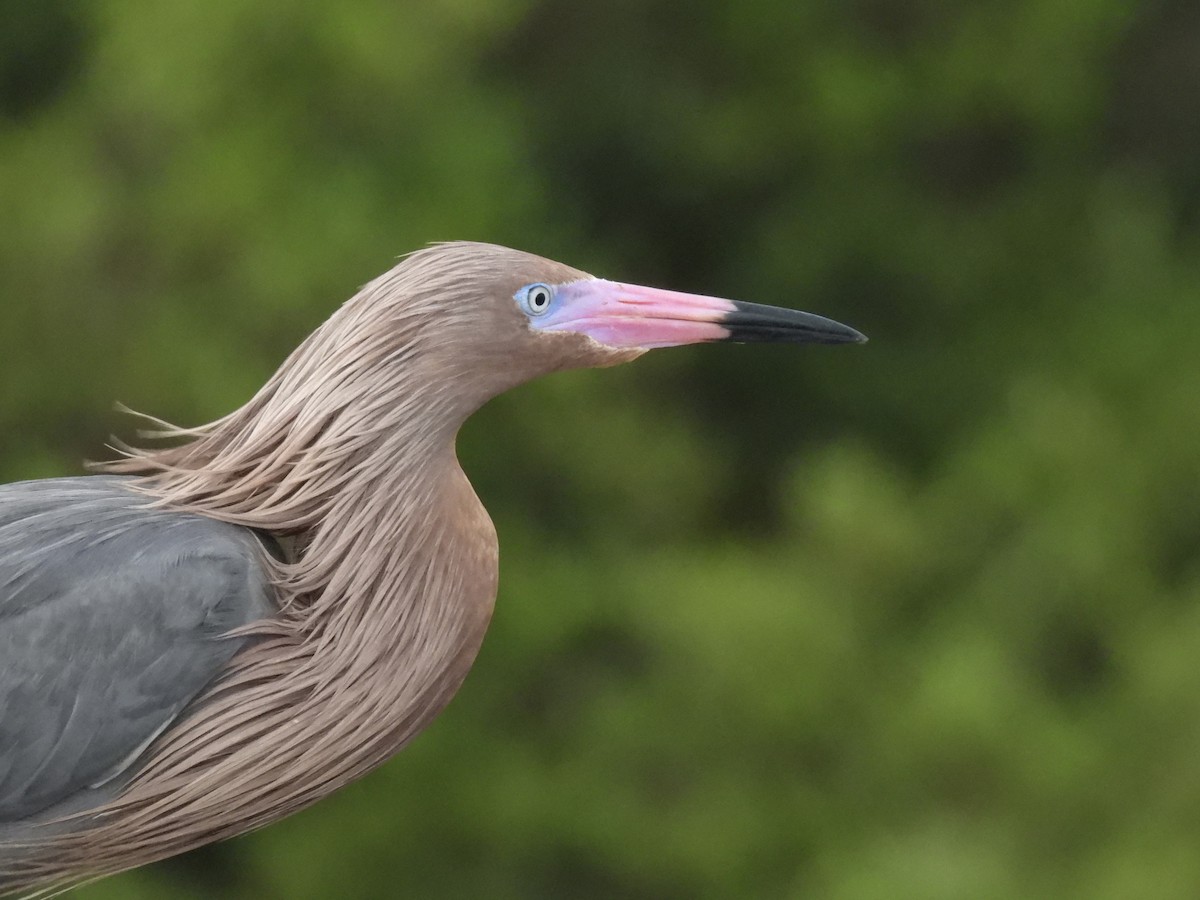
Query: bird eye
pixel 535 299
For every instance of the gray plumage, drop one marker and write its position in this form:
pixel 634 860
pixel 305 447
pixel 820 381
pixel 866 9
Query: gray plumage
pixel 113 617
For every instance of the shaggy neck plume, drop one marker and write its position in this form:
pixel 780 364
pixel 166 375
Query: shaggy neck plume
pixel 376 628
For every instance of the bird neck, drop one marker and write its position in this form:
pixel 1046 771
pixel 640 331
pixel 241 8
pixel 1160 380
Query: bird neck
pixel 381 615
pixel 382 605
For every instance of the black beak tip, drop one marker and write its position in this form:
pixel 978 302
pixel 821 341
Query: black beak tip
pixel 753 323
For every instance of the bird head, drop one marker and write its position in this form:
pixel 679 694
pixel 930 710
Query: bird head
pixel 507 316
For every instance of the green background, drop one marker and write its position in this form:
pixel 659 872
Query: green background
pixel 919 619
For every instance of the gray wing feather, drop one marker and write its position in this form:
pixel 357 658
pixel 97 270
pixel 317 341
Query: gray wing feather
pixel 111 621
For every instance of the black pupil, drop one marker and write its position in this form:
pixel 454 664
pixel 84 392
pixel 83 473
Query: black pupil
pixel 539 299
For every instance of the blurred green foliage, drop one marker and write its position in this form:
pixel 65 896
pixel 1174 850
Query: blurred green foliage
pixel 914 620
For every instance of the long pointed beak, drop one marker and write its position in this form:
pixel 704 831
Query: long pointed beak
pixel 630 316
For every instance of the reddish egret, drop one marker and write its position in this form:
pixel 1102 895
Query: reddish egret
pixel 212 635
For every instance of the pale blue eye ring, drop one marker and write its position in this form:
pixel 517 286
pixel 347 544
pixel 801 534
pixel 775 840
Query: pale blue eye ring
pixel 535 299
